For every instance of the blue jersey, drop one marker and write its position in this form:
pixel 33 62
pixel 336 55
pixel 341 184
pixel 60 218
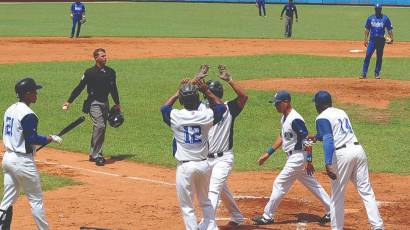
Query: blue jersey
pixel 77 9
pixel 376 25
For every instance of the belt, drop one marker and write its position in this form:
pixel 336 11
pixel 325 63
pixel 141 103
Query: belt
pixel 344 145
pixel 192 160
pixel 215 155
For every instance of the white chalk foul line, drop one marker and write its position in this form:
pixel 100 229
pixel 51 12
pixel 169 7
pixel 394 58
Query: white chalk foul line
pixel 108 174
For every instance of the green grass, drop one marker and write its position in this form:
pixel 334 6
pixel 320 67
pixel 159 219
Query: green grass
pixel 144 84
pixel 194 20
pixel 50 182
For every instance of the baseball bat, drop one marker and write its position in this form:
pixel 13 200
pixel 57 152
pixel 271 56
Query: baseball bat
pixel 67 129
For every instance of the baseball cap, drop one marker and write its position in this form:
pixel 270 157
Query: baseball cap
pixel 378 5
pixel 280 96
pixel 322 98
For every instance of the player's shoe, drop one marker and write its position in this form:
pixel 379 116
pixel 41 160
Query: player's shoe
pixel 377 76
pixel 363 76
pixel 232 224
pixel 91 159
pixel 325 218
pixel 260 220
pixel 100 161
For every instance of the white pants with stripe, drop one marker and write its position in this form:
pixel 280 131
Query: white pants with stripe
pixel 20 172
pixel 294 170
pixel 350 164
pixel 193 178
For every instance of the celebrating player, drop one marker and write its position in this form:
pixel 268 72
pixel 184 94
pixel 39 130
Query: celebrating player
pixel 19 138
pixel 190 127
pixel 376 25
pixel 291 138
pixel 77 14
pixel 220 155
pixel 345 160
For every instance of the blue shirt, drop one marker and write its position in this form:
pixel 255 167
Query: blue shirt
pixel 325 134
pixel 77 9
pixel 376 25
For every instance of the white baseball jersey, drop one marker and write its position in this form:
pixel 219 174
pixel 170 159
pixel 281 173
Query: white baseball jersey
pixel 191 133
pixel 13 137
pixel 341 127
pixel 290 140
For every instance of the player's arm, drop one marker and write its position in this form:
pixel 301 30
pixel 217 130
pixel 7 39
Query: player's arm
pixel 219 108
pixel 299 127
pixel 296 13
pixel 226 76
pixel 324 130
pixel 114 92
pixel 367 27
pixel 31 137
pixel 76 92
pixel 389 29
pixel 271 149
pixel 166 108
pixel 283 10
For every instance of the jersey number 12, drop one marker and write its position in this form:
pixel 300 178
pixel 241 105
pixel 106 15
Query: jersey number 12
pixel 8 129
pixel 192 134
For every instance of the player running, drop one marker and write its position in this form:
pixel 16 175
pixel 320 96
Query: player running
pixel 19 138
pixel 291 138
pixel 190 127
pixel 345 160
pixel 220 155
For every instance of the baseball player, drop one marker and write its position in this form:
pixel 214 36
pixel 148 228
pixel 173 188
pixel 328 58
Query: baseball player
pixel 19 138
pixel 290 8
pixel 345 160
pixel 191 147
pixel 376 25
pixel 77 14
pixel 220 155
pixel 299 164
pixel 260 4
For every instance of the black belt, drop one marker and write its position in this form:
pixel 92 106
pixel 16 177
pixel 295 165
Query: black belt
pixel 191 160
pixel 344 145
pixel 213 155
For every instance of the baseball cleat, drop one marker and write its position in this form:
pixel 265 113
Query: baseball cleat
pixel 100 161
pixel 325 218
pixel 363 76
pixel 260 220
pixel 377 75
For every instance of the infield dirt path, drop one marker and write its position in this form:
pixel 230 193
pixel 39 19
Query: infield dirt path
pixel 127 195
pixel 41 49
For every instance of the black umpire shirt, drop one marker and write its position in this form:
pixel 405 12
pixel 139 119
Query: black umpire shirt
pixel 289 9
pixel 100 83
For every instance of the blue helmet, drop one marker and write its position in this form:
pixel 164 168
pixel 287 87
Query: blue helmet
pixel 322 98
pixel 378 6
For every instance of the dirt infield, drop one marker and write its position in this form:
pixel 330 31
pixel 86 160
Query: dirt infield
pixel 41 49
pixel 127 195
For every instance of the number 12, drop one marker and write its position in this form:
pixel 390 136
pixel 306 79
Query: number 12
pixel 194 137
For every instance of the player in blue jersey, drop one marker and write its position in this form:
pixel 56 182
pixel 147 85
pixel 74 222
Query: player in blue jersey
pixel 376 25
pixel 77 14
pixel 260 4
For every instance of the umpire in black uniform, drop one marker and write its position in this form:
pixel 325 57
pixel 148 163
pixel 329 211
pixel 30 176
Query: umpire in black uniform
pixel 100 81
pixel 289 8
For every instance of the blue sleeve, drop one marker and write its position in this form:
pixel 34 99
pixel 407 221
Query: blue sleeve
pixel 324 129
pixel 301 131
pixel 388 24
pixel 368 25
pixel 72 7
pixel 166 114
pixel 29 124
pixel 219 110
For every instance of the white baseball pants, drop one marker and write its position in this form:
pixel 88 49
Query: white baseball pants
pixel 20 171
pixel 294 170
pixel 350 163
pixel 193 177
pixel 218 187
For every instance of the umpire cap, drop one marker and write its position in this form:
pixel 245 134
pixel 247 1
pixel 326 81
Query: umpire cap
pixel 188 95
pixel 322 98
pixel 216 88
pixel 26 85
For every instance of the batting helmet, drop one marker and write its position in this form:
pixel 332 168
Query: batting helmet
pixel 188 95
pixel 115 118
pixel 26 85
pixel 216 88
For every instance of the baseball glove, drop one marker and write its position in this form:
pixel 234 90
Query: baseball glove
pixel 389 40
pixel 83 20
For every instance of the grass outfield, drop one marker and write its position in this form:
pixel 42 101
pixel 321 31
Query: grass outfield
pixel 144 84
pixel 50 182
pixel 194 20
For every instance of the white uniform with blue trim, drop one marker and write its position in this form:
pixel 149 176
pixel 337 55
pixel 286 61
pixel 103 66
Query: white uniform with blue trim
pixel 19 168
pixel 349 163
pixel 294 169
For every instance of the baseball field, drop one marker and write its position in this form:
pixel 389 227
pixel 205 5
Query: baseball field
pixel 152 46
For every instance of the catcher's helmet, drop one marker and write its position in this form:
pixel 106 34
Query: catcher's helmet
pixel 26 85
pixel 115 118
pixel 188 95
pixel 216 88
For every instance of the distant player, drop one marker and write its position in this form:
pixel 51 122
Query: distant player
pixel 220 155
pixel 376 25
pixel 191 147
pixel 77 14
pixel 20 171
pixel 345 160
pixel 260 4
pixel 299 164
pixel 290 8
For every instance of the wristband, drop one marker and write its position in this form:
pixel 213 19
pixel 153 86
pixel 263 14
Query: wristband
pixel 270 150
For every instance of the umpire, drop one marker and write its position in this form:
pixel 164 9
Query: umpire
pixel 100 81
pixel 289 8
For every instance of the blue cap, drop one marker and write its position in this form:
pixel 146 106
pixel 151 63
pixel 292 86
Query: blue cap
pixel 378 5
pixel 280 96
pixel 322 98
